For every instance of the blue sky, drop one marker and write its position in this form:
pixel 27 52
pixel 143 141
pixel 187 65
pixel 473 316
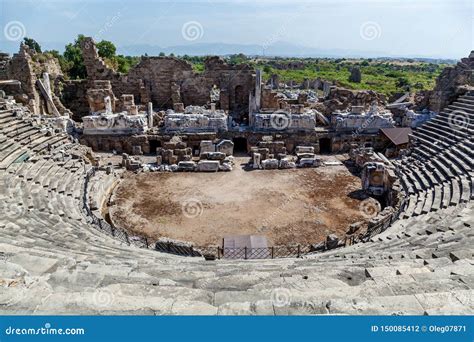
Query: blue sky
pixel 433 28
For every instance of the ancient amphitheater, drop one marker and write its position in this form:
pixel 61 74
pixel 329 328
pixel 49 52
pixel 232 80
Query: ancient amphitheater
pixel 60 255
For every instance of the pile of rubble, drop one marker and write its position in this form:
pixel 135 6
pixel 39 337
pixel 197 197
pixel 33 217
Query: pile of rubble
pixel 177 156
pixel 377 173
pixel 273 155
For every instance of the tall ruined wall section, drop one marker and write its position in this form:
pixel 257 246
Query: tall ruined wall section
pixel 27 66
pixel 157 75
pixel 452 82
pixel 97 70
pixel 20 68
pixel 168 80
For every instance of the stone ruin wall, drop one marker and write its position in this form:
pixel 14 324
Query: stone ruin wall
pixel 451 83
pixel 165 81
pixel 27 67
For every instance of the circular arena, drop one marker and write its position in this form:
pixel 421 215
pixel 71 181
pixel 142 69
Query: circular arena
pixel 287 206
pixel 100 224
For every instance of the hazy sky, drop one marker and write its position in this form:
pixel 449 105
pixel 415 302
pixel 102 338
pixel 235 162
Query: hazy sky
pixel 437 28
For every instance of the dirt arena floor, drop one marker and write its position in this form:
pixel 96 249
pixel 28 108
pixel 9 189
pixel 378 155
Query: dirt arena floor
pixel 287 206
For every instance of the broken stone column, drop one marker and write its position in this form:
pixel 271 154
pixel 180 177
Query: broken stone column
pixel 150 114
pixel 257 159
pixel 47 83
pixel 175 93
pixel 108 105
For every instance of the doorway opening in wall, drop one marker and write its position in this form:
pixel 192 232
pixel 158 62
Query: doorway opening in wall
pixel 325 145
pixel 240 147
pixel 154 144
pixel 240 106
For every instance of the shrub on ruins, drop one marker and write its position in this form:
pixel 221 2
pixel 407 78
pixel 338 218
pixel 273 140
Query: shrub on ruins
pixel 238 58
pixel 124 63
pixel 106 49
pixel 32 44
pixel 73 56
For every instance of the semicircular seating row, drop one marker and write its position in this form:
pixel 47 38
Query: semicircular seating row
pixel 53 261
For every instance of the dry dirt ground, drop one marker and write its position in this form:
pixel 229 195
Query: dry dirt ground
pixel 287 206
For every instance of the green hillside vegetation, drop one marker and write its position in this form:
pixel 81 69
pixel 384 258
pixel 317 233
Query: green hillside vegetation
pixel 382 76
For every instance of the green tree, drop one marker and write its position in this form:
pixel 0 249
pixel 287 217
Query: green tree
pixel 73 55
pixel 238 59
pixel 106 49
pixel 32 44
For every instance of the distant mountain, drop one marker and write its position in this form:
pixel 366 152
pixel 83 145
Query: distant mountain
pixel 281 49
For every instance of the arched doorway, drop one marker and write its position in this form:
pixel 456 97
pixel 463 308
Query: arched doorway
pixel 325 146
pixel 240 146
pixel 154 144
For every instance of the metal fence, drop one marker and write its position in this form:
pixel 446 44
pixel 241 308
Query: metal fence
pixel 215 252
pixel 103 225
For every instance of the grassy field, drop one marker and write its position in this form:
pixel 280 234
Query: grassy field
pixel 387 77
pixel 384 76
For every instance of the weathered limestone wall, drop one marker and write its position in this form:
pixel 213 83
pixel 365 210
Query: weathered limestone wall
pixel 20 68
pixel 74 96
pixel 27 67
pixel 452 82
pixel 165 81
